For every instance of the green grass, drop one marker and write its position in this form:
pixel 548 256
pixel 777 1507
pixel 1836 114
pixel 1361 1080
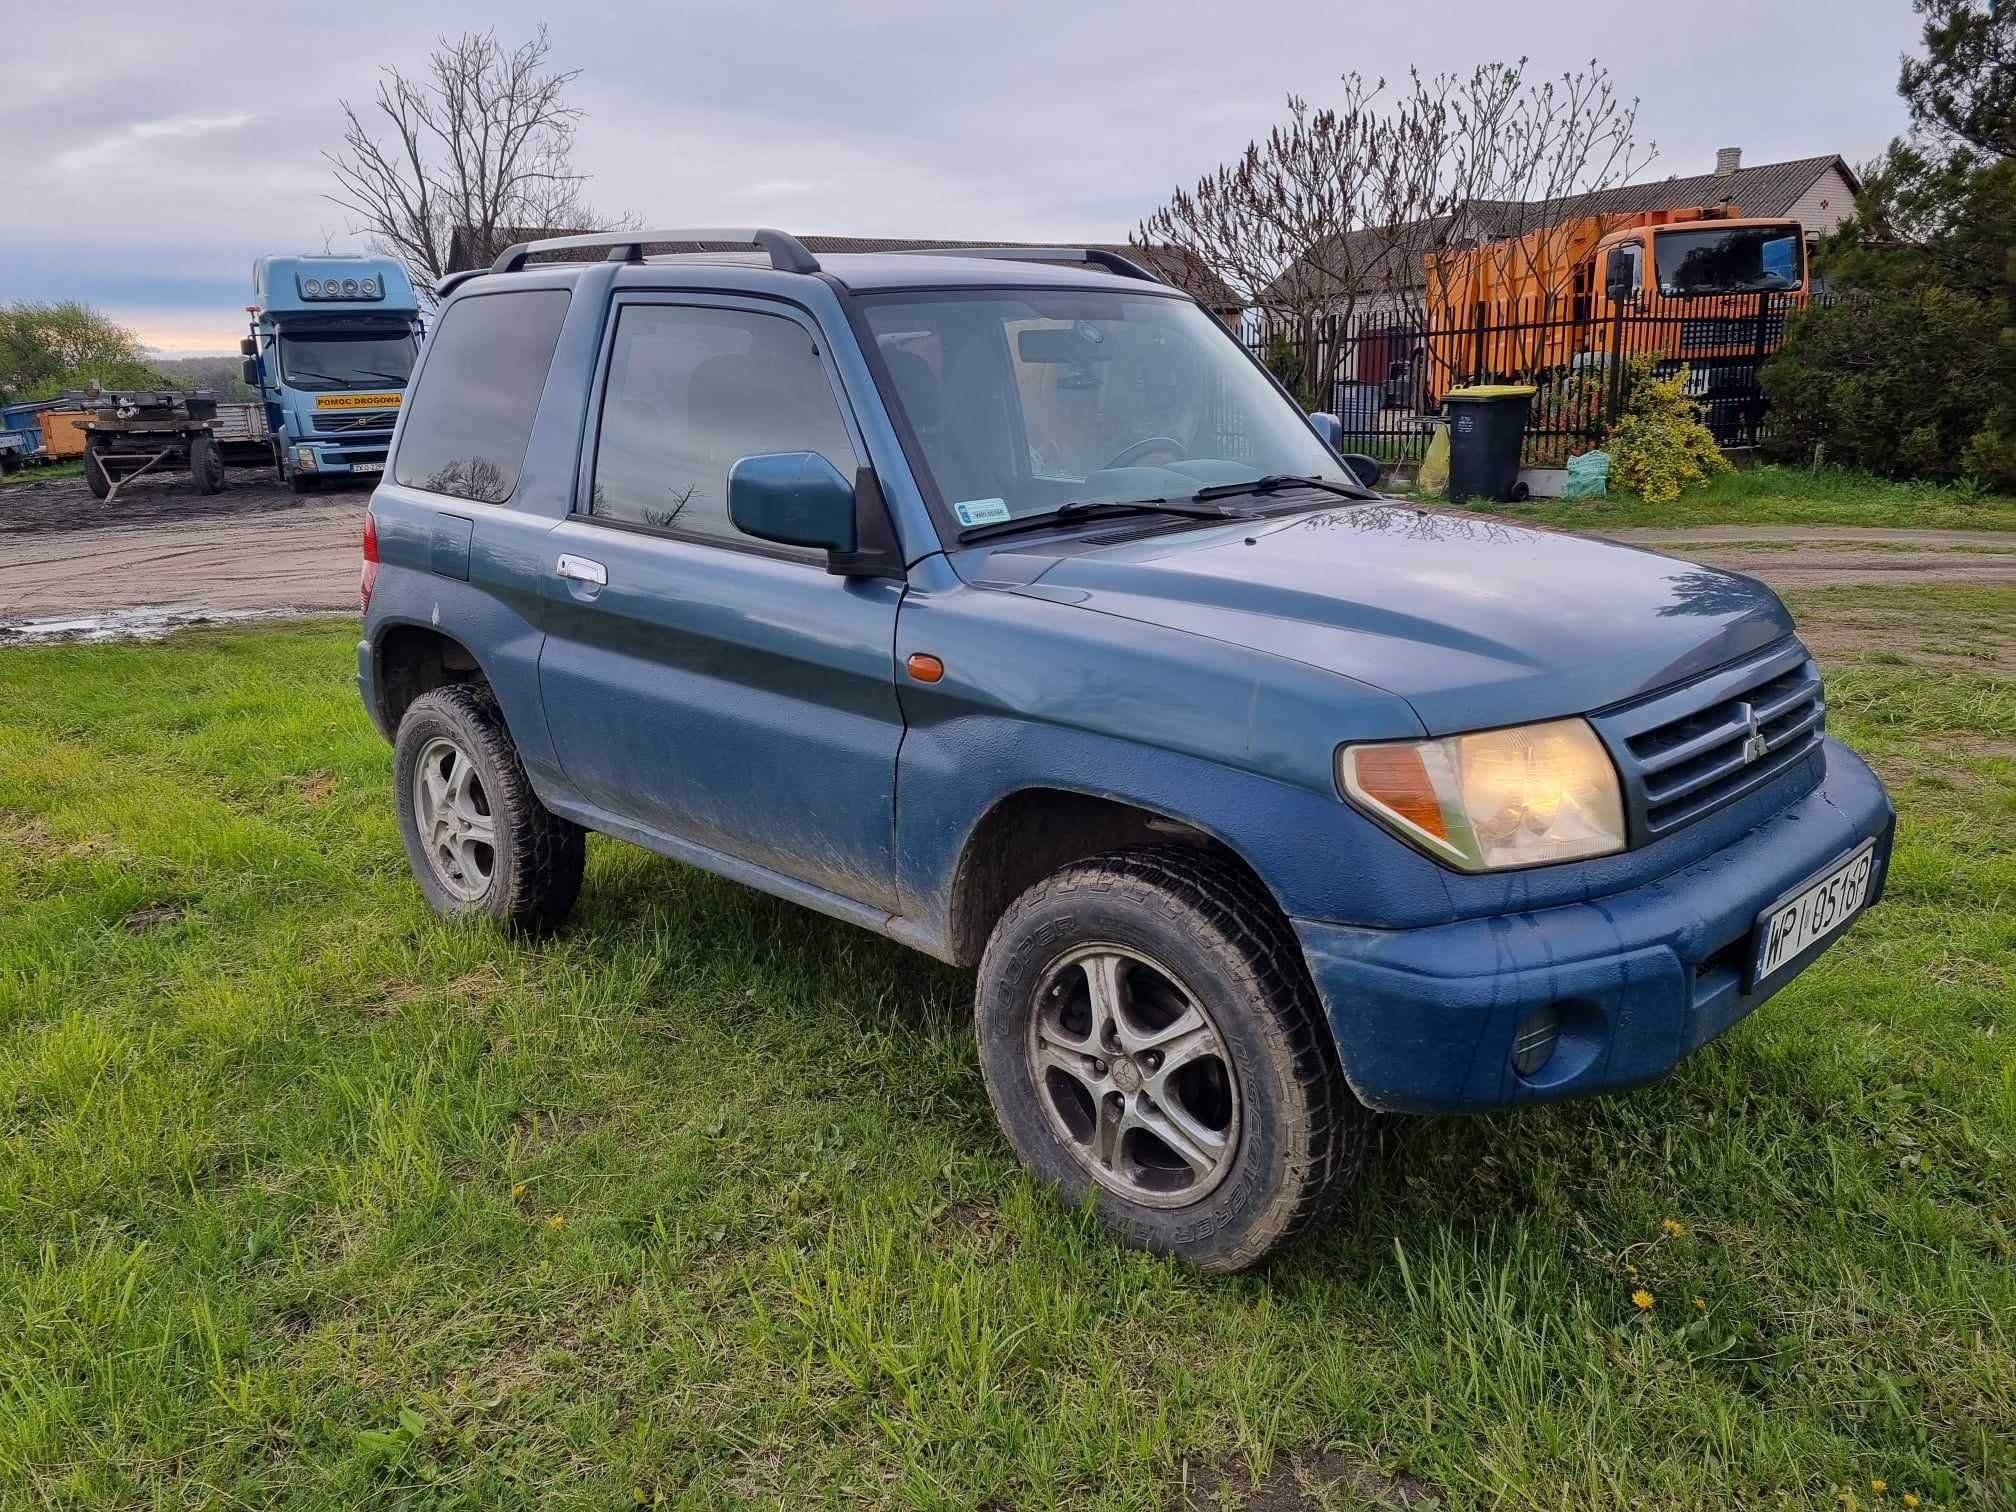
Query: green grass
pixel 47 470
pixel 1774 495
pixel 307 1198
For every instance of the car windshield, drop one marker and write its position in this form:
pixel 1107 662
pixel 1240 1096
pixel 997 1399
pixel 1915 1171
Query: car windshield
pixel 333 360
pixel 1022 401
pixel 1741 260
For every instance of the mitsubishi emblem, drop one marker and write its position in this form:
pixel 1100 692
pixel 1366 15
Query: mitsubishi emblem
pixel 1754 744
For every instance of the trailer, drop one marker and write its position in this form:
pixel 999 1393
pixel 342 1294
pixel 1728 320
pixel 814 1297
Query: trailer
pixel 135 431
pixel 242 432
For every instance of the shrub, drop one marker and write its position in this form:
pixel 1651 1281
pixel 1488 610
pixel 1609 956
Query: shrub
pixel 1660 447
pixel 1910 383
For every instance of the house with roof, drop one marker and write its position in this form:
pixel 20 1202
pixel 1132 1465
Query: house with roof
pixel 1378 270
pixel 468 248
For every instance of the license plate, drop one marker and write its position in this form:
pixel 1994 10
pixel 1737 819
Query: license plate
pixel 367 467
pixel 1815 911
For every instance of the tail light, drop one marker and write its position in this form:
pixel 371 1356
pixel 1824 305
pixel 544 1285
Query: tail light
pixel 368 578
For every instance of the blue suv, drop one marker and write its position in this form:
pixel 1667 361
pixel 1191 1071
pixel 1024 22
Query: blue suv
pixel 998 601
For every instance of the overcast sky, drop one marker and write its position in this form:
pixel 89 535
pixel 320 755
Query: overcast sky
pixel 153 151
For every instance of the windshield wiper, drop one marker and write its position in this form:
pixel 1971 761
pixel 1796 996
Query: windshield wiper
pixel 293 373
pixel 388 377
pixel 1274 483
pixel 1085 509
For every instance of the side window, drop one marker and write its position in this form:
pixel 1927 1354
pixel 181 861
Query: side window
pixel 690 391
pixel 472 415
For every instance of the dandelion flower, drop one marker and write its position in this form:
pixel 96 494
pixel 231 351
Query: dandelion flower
pixel 556 1221
pixel 1674 1227
pixel 1879 1485
pixel 1641 1299
pixel 1700 1305
pixel 1910 1498
pixel 518 1190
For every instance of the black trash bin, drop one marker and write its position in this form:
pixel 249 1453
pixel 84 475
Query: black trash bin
pixel 1486 426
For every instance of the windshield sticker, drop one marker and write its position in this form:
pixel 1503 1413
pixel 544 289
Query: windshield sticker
pixel 981 511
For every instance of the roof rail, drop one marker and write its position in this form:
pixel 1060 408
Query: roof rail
pixel 1097 257
pixel 787 253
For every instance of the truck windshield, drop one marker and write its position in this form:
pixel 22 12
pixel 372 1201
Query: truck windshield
pixel 340 360
pixel 1021 401
pixel 1739 260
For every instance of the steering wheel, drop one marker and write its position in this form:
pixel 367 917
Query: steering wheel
pixel 1144 447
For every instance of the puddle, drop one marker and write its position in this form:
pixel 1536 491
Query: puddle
pixel 148 622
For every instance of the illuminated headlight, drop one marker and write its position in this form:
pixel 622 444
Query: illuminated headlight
pixel 1523 796
pixel 304 458
pixel 312 288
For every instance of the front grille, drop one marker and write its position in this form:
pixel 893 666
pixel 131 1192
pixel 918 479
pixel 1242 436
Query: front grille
pixel 1687 753
pixel 330 425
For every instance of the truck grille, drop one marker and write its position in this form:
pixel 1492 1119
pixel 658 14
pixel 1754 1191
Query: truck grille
pixel 329 425
pixel 1687 753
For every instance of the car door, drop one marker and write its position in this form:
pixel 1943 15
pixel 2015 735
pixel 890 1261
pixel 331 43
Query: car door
pixel 698 682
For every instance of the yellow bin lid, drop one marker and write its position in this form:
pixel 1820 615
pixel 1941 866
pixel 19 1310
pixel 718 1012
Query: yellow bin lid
pixel 1493 391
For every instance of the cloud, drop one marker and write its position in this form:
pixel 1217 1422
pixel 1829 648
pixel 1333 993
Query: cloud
pixel 147 178
pixel 170 128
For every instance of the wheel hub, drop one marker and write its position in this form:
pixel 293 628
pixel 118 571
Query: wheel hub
pixel 451 811
pixel 1133 1076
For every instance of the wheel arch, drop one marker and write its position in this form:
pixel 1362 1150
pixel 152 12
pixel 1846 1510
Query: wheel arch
pixel 410 660
pixel 1030 832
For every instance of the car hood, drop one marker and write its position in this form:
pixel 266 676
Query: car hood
pixel 1475 622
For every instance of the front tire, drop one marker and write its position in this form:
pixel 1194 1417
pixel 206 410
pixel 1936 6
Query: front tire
pixel 477 838
pixel 206 464
pixel 1149 1036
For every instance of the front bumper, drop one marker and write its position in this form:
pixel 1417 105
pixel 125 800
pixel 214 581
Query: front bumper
pixel 1425 1019
pixel 358 455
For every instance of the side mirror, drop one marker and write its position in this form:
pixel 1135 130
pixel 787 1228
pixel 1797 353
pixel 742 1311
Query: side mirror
pixel 247 347
pixel 794 498
pixel 1329 427
pixel 1617 280
pixel 249 370
pixel 1365 469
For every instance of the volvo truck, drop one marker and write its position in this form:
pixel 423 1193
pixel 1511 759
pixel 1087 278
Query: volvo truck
pixel 332 344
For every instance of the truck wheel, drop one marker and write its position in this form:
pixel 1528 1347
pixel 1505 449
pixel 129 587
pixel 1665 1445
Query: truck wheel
pixel 477 838
pixel 1149 1035
pixel 94 472
pixel 304 483
pixel 9 463
pixel 206 464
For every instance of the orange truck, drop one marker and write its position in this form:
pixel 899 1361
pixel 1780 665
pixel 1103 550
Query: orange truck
pixel 1705 287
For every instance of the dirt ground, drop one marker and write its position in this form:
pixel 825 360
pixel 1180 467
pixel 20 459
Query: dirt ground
pixel 163 555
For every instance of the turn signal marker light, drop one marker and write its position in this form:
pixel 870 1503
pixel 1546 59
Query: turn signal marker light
pixel 925 667
pixel 1395 777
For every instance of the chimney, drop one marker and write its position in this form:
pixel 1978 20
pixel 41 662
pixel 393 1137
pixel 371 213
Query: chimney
pixel 1727 161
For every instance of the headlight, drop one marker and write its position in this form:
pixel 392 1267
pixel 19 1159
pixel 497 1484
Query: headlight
pixel 304 457
pixel 370 288
pixel 349 288
pixel 1524 796
pixel 312 288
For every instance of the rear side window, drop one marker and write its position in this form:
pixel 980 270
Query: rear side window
pixel 472 415
pixel 690 391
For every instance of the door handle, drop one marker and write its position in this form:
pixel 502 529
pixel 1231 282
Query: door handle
pixel 582 570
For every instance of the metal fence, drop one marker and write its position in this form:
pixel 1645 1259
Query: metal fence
pixel 1384 374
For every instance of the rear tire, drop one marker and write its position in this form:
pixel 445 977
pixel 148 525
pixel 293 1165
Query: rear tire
pixel 1210 986
pixel 95 477
pixel 478 839
pixel 206 464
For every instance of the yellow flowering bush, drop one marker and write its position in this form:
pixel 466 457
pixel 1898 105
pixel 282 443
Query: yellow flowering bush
pixel 1660 447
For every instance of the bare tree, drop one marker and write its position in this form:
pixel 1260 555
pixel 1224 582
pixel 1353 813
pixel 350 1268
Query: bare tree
pixel 1336 213
pixel 483 142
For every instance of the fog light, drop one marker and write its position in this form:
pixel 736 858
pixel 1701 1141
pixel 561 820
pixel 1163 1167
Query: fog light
pixel 1533 1046
pixel 304 458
